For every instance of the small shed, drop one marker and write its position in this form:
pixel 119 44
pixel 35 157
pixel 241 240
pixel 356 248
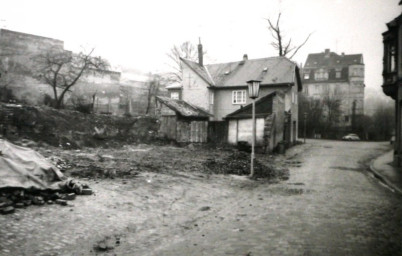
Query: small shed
pixel 270 122
pixel 181 121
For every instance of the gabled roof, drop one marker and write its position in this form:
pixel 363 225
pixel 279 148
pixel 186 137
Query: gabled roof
pixel 263 107
pixel 332 60
pixel 200 70
pixel 270 71
pixel 183 108
pixel 273 70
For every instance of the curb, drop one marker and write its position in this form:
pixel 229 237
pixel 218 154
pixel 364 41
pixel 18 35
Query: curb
pixel 384 180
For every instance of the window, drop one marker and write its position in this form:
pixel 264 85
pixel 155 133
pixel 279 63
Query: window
pixel 239 97
pixel 174 95
pixel 306 76
pixel 346 119
pixel 338 74
pixel 321 74
pixel 392 58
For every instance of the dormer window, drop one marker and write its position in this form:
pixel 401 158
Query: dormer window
pixel 227 72
pixel 265 69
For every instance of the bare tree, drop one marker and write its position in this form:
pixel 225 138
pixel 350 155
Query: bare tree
pixel 331 109
pixel 62 70
pixel 312 110
pixel 283 45
pixel 153 86
pixel 187 51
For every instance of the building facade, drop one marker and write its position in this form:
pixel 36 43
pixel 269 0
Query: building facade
pixel 110 91
pixel 392 77
pixel 328 75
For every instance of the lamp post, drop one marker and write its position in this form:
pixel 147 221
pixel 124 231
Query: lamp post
pixel 305 120
pixel 253 91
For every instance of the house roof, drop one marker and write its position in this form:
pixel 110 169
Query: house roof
pixel 263 107
pixel 270 71
pixel 183 108
pixel 273 70
pixel 200 70
pixel 330 59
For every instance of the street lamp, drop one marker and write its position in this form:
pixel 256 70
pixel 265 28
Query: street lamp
pixel 305 120
pixel 253 91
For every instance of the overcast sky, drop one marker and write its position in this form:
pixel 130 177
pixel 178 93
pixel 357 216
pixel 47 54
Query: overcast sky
pixel 138 34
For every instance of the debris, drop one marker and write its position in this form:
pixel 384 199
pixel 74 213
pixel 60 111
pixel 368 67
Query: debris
pixel 38 200
pixel 19 205
pixel 107 244
pixel 205 208
pixel 7 210
pixel 70 196
pixel 61 202
pixel 238 163
pixel 86 191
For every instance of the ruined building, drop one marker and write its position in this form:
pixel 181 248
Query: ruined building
pixel 106 90
pixel 337 76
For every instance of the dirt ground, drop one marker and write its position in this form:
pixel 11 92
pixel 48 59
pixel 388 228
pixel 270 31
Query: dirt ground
pixel 164 200
pixel 146 189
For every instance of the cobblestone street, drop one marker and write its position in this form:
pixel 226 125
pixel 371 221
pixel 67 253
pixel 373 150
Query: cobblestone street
pixel 329 206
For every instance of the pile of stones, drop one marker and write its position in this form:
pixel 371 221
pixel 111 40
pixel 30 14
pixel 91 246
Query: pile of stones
pixel 15 198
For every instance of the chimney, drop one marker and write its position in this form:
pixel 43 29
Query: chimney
pixel 200 53
pixel 245 57
pixel 343 54
pixel 326 53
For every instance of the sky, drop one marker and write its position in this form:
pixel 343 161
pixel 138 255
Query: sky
pixel 139 34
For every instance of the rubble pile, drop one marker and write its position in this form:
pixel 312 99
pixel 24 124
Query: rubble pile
pixel 12 198
pixel 238 163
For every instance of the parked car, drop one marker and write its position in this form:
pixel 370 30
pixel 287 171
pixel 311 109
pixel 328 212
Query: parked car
pixel 351 137
pixel 392 140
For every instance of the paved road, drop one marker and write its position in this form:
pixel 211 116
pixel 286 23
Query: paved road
pixel 329 206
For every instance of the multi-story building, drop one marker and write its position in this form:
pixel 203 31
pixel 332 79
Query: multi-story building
pixel 341 77
pixel 392 77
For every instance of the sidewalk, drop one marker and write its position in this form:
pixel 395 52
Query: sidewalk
pixel 384 171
